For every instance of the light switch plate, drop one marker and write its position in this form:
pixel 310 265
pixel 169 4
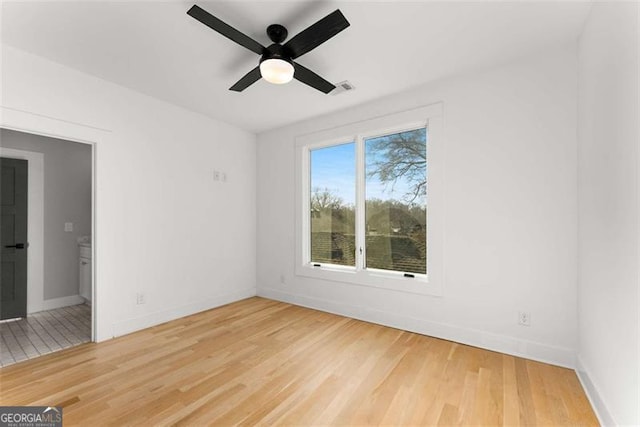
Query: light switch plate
pixel 68 227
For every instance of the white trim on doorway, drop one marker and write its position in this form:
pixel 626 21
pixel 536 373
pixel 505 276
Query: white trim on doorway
pixel 39 124
pixel 35 225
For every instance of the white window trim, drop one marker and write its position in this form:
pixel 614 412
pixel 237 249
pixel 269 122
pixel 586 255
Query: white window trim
pixel 429 284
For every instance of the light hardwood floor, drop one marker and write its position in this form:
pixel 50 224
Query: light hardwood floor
pixel 264 362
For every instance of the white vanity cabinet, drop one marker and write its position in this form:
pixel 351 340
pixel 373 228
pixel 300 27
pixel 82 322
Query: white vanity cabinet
pixel 85 272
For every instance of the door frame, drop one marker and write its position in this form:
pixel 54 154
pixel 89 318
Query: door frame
pixel 39 124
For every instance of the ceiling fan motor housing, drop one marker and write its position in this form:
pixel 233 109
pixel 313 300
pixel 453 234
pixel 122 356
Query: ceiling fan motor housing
pixel 275 51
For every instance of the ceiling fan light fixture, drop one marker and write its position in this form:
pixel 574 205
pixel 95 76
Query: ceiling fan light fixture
pixel 277 71
pixel 276 61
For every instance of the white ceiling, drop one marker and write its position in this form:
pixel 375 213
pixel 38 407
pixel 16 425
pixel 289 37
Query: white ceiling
pixel 157 49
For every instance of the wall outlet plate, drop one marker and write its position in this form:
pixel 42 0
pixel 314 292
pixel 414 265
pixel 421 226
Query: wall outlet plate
pixel 140 298
pixel 524 318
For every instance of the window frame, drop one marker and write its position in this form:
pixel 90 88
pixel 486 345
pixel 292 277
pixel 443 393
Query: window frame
pixel 428 284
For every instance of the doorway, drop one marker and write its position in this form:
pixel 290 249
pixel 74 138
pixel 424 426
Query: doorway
pixel 57 311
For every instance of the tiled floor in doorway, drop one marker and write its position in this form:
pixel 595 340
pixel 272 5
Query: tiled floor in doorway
pixel 44 332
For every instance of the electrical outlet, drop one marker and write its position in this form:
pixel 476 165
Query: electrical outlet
pixel 223 176
pixel 524 318
pixel 140 298
pixel 68 227
pixel 216 175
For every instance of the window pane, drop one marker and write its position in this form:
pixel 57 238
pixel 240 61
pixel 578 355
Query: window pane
pixel 396 201
pixel 332 204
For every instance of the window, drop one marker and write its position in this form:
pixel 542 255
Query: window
pixel 332 205
pixel 396 203
pixel 363 193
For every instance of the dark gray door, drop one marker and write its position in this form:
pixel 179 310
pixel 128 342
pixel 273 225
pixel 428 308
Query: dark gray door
pixel 13 239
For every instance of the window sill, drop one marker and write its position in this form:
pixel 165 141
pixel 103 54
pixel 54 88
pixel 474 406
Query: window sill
pixel 394 281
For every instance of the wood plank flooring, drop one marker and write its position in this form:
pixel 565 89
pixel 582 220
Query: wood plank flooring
pixel 262 362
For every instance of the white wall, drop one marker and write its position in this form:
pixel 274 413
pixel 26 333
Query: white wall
pixel 608 211
pixel 164 227
pixel 510 202
pixel 67 198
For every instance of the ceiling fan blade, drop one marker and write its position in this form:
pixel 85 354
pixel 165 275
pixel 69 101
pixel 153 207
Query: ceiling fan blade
pixel 225 29
pixel 310 78
pixel 250 78
pixel 316 34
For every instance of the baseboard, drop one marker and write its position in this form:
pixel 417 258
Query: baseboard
pixel 132 325
pixel 554 355
pixel 595 398
pixel 52 304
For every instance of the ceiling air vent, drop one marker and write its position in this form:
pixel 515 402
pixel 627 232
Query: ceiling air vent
pixel 344 86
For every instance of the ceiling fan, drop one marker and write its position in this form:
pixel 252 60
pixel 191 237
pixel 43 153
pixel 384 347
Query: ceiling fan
pixel 277 61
